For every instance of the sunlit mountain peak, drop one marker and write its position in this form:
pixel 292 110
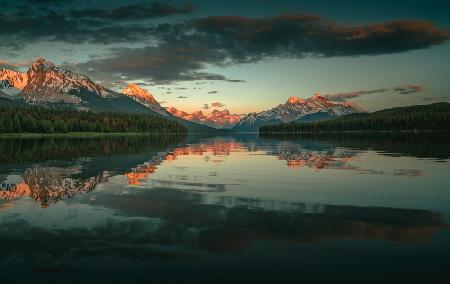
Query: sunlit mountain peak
pixel 297 109
pixel 41 63
pixel 138 93
pixel 50 83
pixel 14 79
pixel 318 96
pixel 295 100
pixel 145 98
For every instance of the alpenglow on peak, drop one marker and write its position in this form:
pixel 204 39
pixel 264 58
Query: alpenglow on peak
pixel 295 100
pixel 140 94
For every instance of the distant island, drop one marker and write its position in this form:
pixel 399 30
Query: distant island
pixel 48 121
pixel 433 117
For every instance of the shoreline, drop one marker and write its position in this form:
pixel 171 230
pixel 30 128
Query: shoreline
pixel 81 134
pixel 357 131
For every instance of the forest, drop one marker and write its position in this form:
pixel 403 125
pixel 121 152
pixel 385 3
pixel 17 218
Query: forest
pixel 44 120
pixel 433 117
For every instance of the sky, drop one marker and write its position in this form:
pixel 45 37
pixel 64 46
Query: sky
pixel 244 56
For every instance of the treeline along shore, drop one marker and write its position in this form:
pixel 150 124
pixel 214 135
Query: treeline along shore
pixel 42 120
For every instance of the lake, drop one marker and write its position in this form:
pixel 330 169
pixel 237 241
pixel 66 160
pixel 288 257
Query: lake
pixel 356 208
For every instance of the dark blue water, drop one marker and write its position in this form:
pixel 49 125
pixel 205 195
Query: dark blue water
pixel 240 209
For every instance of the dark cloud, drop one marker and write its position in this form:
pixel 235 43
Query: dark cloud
pixel 143 84
pixel 39 2
pixel 162 64
pixel 245 39
pixel 133 11
pixel 442 98
pixel 185 49
pixel 408 89
pixel 213 92
pixel 223 39
pixel 341 97
pixel 217 104
pixel 182 97
pixel 12 65
pixel 48 20
pixel 25 27
pixel 181 51
pixel 205 106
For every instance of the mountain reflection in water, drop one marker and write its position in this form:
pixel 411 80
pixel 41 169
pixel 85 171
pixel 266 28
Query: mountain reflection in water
pixel 47 183
pixel 310 206
pixel 47 180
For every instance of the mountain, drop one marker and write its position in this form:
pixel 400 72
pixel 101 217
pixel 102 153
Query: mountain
pixel 49 83
pixel 15 79
pixel 144 97
pixel 11 83
pixel 46 84
pixel 140 94
pixel 297 109
pixel 196 116
pixel 221 119
pixel 433 117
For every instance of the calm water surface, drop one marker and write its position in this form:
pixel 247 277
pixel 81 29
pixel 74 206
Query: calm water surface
pixel 237 208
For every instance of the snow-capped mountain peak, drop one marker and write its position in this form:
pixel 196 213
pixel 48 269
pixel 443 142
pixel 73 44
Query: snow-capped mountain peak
pixel 12 83
pixel 50 83
pixel 15 79
pixel 140 94
pixel 295 100
pixel 315 108
pixel 318 96
pixel 42 64
pixel 145 98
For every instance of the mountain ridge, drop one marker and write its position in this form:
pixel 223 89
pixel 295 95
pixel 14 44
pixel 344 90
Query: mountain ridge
pixel 221 119
pixel 317 107
pixel 48 85
pixel 432 117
